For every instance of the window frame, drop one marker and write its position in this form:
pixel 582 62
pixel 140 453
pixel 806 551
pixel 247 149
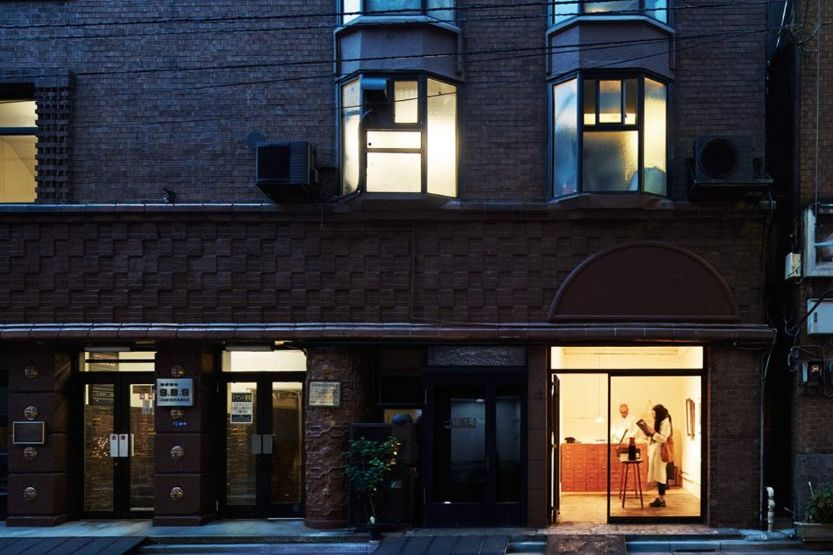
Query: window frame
pixel 580 77
pixel 421 126
pixel 580 4
pixel 23 132
pixel 423 11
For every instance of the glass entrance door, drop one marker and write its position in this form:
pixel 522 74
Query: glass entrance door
pixel 264 449
pixel 476 452
pixel 118 438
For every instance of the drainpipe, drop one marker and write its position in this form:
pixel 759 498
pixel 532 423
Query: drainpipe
pixel 770 513
pixel 761 434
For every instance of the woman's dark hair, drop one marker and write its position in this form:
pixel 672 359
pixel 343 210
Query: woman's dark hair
pixel 661 414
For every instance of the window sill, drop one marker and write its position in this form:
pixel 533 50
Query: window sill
pixel 393 20
pixel 613 201
pixel 398 201
pixel 573 21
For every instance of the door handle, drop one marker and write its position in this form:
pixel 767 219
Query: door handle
pixel 267 444
pixel 121 445
pixel 257 444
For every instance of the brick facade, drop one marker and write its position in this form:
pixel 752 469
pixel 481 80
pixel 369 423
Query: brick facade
pixel 164 97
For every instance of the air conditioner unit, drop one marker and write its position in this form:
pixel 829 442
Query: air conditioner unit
pixel 725 165
pixel 286 172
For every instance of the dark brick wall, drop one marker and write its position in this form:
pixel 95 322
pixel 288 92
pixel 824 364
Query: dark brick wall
pixel 153 106
pixel 732 457
pixel 194 268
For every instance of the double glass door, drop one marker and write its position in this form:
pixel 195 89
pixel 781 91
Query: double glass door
pixel 118 436
pixel 476 453
pixel 263 455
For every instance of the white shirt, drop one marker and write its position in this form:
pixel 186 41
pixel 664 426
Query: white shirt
pixel 622 427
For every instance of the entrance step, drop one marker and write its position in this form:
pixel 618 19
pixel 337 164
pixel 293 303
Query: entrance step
pixel 69 546
pixel 256 549
pixel 444 545
pixel 586 545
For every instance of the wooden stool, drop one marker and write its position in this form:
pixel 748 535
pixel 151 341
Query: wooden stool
pixel 637 482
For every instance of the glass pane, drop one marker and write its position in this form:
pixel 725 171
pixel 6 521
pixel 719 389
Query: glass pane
pixel 395 7
pixel 610 101
pixel 565 138
pixel 631 101
pixel 656 117
pixel 460 441
pixel 442 138
pixel 394 172
pixel 287 433
pixel 610 161
pixel 241 420
pixel 589 101
pixel 441 14
pixel 134 361
pixel 612 6
pixel 17 168
pixel 350 116
pixel 351 9
pixel 264 361
pixel 394 139
pixel 508 444
pixel 143 433
pixel 17 113
pixel 99 400
pixel 636 465
pixel 405 102
pixel 657 9
pixel 564 9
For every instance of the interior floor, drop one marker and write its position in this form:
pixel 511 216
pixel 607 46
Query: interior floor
pixel 591 508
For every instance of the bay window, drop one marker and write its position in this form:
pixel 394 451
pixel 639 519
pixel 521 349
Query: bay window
pixel 562 10
pixel 609 135
pixel 399 135
pixel 442 10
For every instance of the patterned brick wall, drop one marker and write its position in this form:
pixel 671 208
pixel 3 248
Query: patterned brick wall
pixel 200 268
pixel 327 431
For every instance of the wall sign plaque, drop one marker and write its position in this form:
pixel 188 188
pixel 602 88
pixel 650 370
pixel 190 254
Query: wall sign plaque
pixel 28 433
pixel 325 394
pixel 242 408
pixel 175 392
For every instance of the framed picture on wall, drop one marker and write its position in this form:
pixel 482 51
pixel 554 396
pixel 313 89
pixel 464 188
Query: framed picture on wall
pixel 690 420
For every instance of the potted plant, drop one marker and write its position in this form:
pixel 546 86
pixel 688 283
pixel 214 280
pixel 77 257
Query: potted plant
pixel 368 464
pixel 819 517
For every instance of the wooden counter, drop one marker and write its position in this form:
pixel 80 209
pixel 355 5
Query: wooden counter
pixel 584 467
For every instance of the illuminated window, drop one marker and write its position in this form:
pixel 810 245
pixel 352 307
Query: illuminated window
pixel 399 136
pixel 562 10
pixel 610 136
pixel 442 10
pixel 18 148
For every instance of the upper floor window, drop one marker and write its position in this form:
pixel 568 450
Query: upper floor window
pixel 442 10
pixel 562 10
pixel 18 148
pixel 399 135
pixel 610 136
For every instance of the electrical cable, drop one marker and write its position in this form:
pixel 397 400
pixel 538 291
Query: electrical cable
pixel 390 12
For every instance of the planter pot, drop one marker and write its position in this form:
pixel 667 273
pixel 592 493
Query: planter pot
pixel 814 532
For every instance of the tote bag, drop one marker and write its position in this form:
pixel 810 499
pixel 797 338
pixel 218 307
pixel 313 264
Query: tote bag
pixel 667 450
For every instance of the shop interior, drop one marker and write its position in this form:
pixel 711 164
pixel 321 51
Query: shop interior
pixel 599 396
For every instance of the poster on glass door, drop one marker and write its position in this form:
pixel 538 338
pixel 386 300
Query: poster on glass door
pixel 242 408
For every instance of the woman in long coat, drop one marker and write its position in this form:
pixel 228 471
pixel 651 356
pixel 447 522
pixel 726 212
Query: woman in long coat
pixel 660 433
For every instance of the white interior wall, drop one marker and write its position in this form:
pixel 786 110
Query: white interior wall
pixel 584 396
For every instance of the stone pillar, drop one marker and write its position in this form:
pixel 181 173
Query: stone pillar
pixel 185 491
pixel 326 431
pixel 38 474
pixel 538 494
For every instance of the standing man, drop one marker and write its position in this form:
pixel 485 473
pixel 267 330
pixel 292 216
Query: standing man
pixel 624 426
